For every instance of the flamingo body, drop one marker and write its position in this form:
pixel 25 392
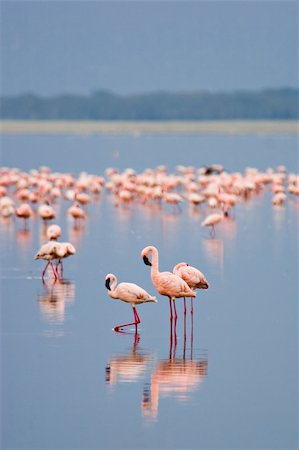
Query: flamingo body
pixel 129 293
pixel 54 250
pixel 193 277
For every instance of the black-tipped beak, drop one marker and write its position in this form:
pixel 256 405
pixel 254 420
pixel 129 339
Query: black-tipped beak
pixel 107 284
pixel 146 261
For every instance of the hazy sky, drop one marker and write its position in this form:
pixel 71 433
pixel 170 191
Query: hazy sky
pixel 51 47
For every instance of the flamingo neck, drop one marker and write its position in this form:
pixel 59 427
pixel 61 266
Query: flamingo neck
pixel 155 262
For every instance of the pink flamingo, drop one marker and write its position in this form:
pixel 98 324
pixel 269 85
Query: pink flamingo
pixel 193 277
pixel 24 211
pixel 211 220
pixel 76 212
pixel 53 232
pixel 129 293
pixel 54 250
pixel 47 253
pixel 166 283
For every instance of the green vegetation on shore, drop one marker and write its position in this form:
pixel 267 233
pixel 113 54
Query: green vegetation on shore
pixel 268 104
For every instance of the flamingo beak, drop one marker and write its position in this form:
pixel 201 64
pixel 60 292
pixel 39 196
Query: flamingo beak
pixel 107 378
pixel 204 285
pixel 146 261
pixel 107 284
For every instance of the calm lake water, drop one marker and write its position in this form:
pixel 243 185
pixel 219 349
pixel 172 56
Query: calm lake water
pixel 229 380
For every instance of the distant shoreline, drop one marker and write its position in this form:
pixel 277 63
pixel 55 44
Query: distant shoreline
pixel 136 128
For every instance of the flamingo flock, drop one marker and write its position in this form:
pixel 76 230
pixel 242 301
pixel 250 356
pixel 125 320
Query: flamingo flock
pixel 37 195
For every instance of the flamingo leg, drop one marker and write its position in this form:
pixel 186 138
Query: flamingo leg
pixel 175 313
pixel 54 271
pixel 170 339
pixel 59 264
pixel 45 269
pixel 185 309
pixel 185 338
pixel 191 344
pixel 175 337
pixel 137 321
pixel 170 309
pixel 191 306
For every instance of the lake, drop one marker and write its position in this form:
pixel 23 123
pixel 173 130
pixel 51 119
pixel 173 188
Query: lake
pixel 225 378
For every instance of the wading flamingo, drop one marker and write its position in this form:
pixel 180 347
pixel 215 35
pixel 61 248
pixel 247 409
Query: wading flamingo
pixel 54 250
pixel 193 277
pixel 166 283
pixel 129 293
pixel 53 232
pixel 211 220
pixel 24 211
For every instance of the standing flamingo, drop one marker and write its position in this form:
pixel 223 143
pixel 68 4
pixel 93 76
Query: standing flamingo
pixel 211 220
pixel 24 211
pixel 166 283
pixel 193 277
pixel 54 250
pixel 129 293
pixel 47 253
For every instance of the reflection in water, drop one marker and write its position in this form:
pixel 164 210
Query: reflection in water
pixel 279 213
pixel 175 377
pixel 76 232
pixel 229 227
pixel 214 249
pixel 129 367
pixel 53 299
pixel 23 237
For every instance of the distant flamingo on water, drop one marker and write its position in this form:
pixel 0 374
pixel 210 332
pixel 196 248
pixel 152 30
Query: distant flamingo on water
pixel 166 283
pixel 129 293
pixel 193 277
pixel 211 220
pixel 52 251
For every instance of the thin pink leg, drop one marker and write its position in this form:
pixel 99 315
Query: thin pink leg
pixel 191 346
pixel 137 321
pixel 191 306
pixel 185 338
pixel 170 339
pixel 54 271
pixel 185 309
pixel 45 269
pixel 175 313
pixel 59 265
pixel 170 309
pixel 175 337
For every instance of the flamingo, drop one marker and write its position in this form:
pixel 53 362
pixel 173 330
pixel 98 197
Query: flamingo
pixel 46 212
pixel 24 211
pixel 54 250
pixel 211 220
pixel 53 232
pixel 166 283
pixel 129 293
pixel 76 212
pixel 193 277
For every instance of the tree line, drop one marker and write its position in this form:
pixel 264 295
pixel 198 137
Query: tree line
pixel 267 104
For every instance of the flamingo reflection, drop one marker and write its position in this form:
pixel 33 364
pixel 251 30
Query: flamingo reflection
pixel 176 377
pixel 129 367
pixel 53 299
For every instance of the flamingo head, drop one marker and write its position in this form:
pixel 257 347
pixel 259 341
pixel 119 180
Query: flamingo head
pixel 204 284
pixel 107 283
pixel 146 260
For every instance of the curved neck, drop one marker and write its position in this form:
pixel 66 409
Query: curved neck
pixel 154 261
pixel 177 268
